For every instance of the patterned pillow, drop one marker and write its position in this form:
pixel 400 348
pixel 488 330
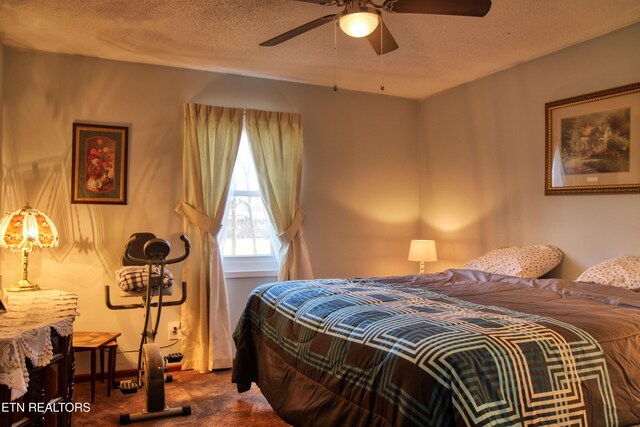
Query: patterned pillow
pixel 520 261
pixel 623 272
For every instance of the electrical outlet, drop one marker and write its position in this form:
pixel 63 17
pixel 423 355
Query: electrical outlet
pixel 175 333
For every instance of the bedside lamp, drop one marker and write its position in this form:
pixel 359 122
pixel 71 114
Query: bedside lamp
pixel 22 231
pixel 423 251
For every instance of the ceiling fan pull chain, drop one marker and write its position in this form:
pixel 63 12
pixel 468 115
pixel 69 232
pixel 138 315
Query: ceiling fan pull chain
pixel 381 54
pixel 335 56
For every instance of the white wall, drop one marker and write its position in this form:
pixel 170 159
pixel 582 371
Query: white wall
pixel 360 173
pixel 482 148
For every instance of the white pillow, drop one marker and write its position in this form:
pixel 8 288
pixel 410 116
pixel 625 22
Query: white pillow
pixel 623 272
pixel 520 261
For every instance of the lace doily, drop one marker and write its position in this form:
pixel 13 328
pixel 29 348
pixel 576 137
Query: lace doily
pixel 25 332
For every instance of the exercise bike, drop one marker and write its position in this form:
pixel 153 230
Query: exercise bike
pixel 146 249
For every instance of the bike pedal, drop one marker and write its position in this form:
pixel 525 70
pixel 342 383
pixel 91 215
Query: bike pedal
pixel 174 357
pixel 128 387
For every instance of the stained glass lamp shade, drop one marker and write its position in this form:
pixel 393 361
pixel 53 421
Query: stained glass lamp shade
pixel 23 230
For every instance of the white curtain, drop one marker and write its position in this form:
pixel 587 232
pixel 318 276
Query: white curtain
pixel 276 143
pixel 211 140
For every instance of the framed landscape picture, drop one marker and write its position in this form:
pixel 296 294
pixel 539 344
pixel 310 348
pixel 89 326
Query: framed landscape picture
pixel 99 164
pixel 593 143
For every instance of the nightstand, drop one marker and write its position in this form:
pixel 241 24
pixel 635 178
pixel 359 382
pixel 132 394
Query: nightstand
pixel 94 341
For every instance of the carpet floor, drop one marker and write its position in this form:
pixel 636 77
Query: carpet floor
pixel 213 398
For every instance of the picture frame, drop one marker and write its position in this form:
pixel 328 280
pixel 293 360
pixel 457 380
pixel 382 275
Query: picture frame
pixel 593 143
pixel 99 164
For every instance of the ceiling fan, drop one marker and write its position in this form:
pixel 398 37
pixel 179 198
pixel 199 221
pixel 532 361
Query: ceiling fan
pixel 363 18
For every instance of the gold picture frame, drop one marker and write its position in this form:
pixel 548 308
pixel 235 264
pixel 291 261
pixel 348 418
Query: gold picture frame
pixel 99 164
pixel 593 143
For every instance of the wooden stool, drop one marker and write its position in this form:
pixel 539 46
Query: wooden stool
pixel 92 341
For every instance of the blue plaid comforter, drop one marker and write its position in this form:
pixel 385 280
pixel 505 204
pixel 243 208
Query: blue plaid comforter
pixel 416 352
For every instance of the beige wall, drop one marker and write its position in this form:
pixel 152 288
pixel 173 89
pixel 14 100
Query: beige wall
pixel 360 173
pixel 482 161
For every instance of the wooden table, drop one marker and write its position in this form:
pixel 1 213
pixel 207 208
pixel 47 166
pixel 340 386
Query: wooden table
pixel 93 341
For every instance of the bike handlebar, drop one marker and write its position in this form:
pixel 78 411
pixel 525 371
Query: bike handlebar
pixel 134 260
pixel 187 250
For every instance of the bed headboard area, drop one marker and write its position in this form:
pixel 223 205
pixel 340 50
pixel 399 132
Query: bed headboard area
pixel 545 261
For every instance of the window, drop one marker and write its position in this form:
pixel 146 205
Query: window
pixel 247 238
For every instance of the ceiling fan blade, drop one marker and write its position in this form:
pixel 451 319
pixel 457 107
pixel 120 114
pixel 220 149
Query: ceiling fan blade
pixel 387 44
pixel 298 30
pixel 439 7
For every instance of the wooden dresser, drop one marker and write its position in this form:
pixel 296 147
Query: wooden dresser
pixel 36 359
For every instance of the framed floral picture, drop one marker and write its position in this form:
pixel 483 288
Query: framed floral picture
pixel 593 143
pixel 99 164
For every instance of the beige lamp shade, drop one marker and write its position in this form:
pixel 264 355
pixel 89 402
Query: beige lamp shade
pixel 423 250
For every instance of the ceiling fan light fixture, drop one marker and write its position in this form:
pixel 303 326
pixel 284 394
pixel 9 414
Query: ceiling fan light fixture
pixel 359 22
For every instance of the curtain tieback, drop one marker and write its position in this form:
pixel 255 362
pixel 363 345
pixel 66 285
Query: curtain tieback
pixel 287 236
pixel 197 218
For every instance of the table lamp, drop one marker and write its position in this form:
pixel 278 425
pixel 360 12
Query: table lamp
pixel 423 251
pixel 23 230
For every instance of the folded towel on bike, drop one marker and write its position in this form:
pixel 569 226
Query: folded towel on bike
pixel 135 278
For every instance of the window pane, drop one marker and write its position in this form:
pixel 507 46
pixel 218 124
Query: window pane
pixel 247 229
pixel 245 177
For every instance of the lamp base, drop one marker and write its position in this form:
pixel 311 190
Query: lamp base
pixel 23 285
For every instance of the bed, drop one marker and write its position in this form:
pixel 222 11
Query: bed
pixel 460 347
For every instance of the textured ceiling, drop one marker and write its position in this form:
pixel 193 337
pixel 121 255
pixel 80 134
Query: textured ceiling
pixel 436 52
